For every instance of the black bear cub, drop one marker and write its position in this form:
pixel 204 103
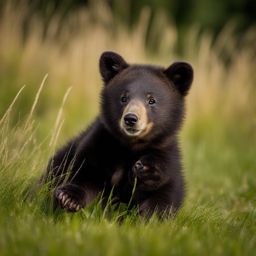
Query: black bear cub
pixel 131 150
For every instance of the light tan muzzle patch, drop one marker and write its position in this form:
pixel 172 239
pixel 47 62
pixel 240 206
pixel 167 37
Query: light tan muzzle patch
pixel 142 126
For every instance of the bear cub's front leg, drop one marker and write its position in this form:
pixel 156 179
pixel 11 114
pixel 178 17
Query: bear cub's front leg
pixel 149 173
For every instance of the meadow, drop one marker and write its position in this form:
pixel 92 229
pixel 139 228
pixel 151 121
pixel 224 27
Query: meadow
pixel 50 91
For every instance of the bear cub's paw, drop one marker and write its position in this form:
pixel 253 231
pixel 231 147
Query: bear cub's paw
pixel 139 169
pixel 147 174
pixel 70 197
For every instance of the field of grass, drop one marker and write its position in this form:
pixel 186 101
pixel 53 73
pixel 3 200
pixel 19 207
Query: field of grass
pixel 60 97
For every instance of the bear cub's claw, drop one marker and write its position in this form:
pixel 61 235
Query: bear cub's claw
pixel 67 202
pixel 69 198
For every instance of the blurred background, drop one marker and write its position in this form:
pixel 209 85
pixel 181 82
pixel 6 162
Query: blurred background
pixel 64 39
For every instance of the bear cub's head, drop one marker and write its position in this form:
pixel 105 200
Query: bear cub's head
pixel 143 103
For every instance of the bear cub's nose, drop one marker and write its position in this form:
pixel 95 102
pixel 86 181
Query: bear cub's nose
pixel 130 119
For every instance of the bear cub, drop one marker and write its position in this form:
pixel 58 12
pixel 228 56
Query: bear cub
pixel 131 150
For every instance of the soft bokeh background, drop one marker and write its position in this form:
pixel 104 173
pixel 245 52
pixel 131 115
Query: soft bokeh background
pixel 52 47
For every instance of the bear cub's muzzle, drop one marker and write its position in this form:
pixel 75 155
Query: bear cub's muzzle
pixel 134 121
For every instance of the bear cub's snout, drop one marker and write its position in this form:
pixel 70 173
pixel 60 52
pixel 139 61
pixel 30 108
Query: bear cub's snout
pixel 134 120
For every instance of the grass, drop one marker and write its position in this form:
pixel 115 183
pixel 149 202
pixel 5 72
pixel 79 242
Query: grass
pixel 218 141
pixel 218 216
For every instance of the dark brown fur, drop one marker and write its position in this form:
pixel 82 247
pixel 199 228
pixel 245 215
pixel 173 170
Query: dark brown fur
pixel 103 156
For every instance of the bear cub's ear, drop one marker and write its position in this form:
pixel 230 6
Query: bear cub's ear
pixel 181 75
pixel 111 64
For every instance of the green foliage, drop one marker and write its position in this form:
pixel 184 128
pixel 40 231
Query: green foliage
pixel 218 216
pixel 207 15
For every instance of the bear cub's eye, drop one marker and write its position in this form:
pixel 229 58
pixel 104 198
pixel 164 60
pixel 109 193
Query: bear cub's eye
pixel 151 101
pixel 124 99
